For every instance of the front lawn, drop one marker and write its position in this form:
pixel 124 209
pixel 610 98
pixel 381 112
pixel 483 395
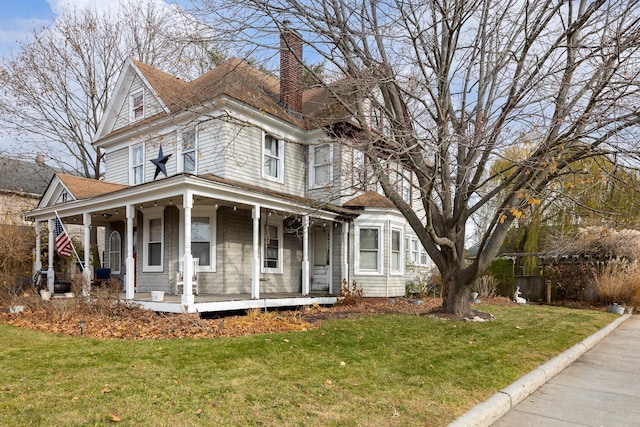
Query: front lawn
pixel 382 370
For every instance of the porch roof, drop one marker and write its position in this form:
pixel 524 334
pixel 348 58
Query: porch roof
pixel 93 195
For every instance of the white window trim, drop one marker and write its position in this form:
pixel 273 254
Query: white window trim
pixel 380 263
pixel 211 213
pixel 112 252
pixel 132 175
pixel 420 252
pixel 280 157
pixel 312 166
pixel 149 214
pixel 134 95
pixel 278 223
pixel 401 255
pixel 180 146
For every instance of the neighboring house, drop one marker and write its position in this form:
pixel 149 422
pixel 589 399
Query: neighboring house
pixel 234 169
pixel 22 184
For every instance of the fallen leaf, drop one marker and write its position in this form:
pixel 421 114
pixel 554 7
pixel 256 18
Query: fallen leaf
pixel 327 382
pixel 105 390
pixel 115 418
pixel 343 364
pixel 199 411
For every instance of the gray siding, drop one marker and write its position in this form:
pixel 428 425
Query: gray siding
pixel 117 166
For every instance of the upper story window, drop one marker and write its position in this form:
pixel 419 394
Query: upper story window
pixel 359 174
pixel 189 150
pixel 272 158
pixel 321 165
pixel 137 165
pixel 368 250
pixel 406 185
pixel 137 106
pixel 153 237
pixel 115 252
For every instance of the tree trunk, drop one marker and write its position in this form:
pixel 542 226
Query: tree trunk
pixel 456 296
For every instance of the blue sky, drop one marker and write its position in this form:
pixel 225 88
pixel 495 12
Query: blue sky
pixel 19 17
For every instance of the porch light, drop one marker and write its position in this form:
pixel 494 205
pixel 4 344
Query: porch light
pixel 116 211
pixel 170 202
pixel 106 215
pixel 155 204
pixel 234 208
pixel 82 324
pixel 216 206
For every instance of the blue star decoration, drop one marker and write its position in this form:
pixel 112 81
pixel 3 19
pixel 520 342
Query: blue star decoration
pixel 160 163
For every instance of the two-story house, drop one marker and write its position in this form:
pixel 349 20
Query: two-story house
pixel 238 171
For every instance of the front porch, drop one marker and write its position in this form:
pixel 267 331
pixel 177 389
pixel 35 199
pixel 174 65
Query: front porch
pixel 208 303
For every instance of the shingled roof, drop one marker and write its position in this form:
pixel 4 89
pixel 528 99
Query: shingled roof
pixel 19 176
pixel 239 80
pixel 85 188
pixel 370 199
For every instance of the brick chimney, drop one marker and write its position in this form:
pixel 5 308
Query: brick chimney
pixel 290 69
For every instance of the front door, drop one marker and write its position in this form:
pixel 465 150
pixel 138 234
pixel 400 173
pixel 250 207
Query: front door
pixel 320 259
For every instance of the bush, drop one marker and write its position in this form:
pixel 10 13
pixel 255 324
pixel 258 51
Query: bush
pixel 571 282
pixel 351 296
pixel 618 282
pixel 502 270
pixel 486 286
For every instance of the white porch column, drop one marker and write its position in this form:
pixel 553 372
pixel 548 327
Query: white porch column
pixel 305 255
pixel 188 300
pixel 51 275
pixel 255 268
pixel 345 253
pixel 87 270
pixel 130 272
pixel 37 263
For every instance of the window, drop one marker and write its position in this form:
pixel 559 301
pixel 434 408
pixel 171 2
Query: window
pixel 272 247
pixel 368 253
pixel 272 153
pixel 115 252
pixel 321 165
pixel 137 106
pixel 359 175
pixel 201 240
pixel 188 149
pixel 416 253
pixel 406 186
pixel 203 236
pixel 137 165
pixel 153 236
pixel 396 251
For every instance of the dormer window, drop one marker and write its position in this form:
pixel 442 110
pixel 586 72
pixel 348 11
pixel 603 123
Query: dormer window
pixel 137 106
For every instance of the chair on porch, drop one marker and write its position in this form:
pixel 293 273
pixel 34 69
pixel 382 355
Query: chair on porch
pixel 194 277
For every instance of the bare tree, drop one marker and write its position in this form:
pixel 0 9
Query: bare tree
pixel 456 83
pixel 56 88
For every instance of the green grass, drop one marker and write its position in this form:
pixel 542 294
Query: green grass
pixel 374 371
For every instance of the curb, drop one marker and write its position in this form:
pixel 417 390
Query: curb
pixel 491 410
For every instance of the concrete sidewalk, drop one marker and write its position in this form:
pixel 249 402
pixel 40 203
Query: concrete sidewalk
pixel 595 383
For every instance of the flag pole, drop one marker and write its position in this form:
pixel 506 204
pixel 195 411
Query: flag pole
pixel 71 240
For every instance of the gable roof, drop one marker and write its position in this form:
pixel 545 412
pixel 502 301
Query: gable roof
pixel 238 80
pixel 19 176
pixel 84 188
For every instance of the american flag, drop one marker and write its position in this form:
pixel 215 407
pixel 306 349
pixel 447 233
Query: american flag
pixel 63 241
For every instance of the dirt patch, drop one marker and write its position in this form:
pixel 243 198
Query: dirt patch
pixel 107 319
